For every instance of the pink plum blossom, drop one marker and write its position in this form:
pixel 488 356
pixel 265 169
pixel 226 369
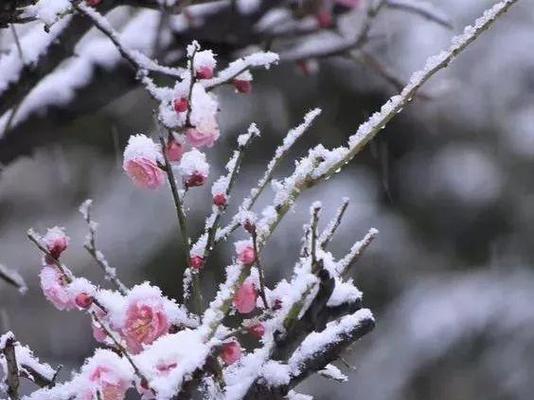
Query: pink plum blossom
pixel 146 320
pixel 106 374
pixel 175 150
pixel 144 173
pixel 202 136
pixel 231 352
pixel 245 252
pixel 55 289
pixel 245 298
pixel 141 158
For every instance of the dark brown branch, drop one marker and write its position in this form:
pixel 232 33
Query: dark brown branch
pixel 58 50
pixel 12 378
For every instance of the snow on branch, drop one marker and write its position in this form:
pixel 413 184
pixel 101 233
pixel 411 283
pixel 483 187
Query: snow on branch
pixel 13 278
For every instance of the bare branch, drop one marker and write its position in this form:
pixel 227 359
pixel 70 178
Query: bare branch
pixel 331 229
pixel 12 378
pixel 422 8
pixel 13 278
pixel 90 245
pixel 355 252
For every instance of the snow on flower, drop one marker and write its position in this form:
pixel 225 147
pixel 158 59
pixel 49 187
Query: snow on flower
pixel 146 317
pixel 205 129
pixel 245 298
pixel 106 376
pixel 54 288
pixel 204 63
pixel 194 168
pixel 141 158
pixel 243 82
pixel 170 359
pixel 218 191
pixel 56 241
pixel 81 291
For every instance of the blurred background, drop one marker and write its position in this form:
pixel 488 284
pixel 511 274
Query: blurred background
pixel 448 184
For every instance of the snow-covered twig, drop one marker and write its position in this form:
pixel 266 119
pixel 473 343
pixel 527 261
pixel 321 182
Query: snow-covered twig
pixel 139 61
pixel 205 243
pixel 280 153
pixel 13 278
pixel 178 205
pixel 423 8
pixel 330 230
pixel 368 130
pixel 90 245
pixel 355 252
pixel 37 240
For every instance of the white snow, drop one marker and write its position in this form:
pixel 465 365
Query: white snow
pixel 193 162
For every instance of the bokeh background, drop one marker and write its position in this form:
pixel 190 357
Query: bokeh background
pixel 448 184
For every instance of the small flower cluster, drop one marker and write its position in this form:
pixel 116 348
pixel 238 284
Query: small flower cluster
pixel 189 113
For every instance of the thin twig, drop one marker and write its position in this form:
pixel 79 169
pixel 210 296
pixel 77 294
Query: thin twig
pixel 356 252
pixel 182 222
pixel 232 176
pixel 139 61
pixel 260 269
pixel 192 81
pixel 63 270
pixel 280 153
pixel 36 239
pixel 331 229
pixel 17 42
pixel 422 8
pixel 316 209
pixel 98 256
pixel 120 347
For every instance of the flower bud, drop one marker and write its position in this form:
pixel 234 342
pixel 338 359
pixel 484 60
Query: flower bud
pixel 220 200
pixel 197 262
pixel 204 73
pixel 83 300
pixel 324 19
pixel 56 242
pixel 195 179
pixel 256 330
pixel 194 168
pixel 231 352
pixel 242 86
pixel 180 105
pixel 245 298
